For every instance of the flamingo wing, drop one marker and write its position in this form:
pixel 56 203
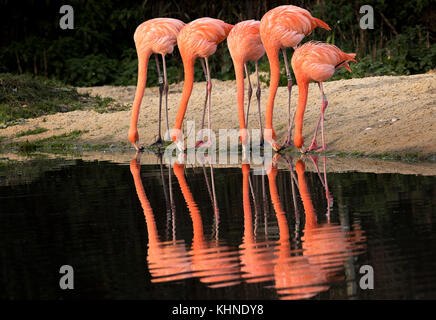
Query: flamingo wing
pixel 318 61
pixel 289 25
pixel 159 34
pixel 201 36
pixel 244 41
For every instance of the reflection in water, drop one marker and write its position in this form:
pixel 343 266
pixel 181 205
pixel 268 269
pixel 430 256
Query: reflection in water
pixel 168 260
pixel 215 263
pixel 297 266
pixel 256 257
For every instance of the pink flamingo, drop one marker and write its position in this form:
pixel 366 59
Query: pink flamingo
pixel 315 61
pixel 245 45
pixel 281 27
pixel 158 36
pixel 197 39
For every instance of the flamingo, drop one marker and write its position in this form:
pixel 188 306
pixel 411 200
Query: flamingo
pixel 158 36
pixel 281 27
pixel 295 277
pixel 167 260
pixel 213 262
pixel 315 61
pixel 327 245
pixel 245 45
pixel 197 39
pixel 256 256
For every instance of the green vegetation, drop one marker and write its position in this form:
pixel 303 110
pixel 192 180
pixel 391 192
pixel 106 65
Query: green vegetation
pixel 384 156
pixel 31 132
pixel 61 142
pixel 26 96
pixel 100 49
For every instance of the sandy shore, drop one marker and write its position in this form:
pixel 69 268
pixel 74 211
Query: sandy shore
pixel 395 115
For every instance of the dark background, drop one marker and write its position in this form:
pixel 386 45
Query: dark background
pixel 100 49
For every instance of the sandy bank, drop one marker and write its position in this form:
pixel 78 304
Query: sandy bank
pixel 374 115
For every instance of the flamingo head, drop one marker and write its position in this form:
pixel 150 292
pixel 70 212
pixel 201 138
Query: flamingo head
pixel 298 140
pixel 133 135
pixel 348 57
pixel 300 167
pixel 177 137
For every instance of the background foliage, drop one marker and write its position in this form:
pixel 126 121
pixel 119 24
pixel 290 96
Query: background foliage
pixel 100 49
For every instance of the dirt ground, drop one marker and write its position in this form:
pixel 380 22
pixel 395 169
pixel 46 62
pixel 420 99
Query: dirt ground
pixel 373 115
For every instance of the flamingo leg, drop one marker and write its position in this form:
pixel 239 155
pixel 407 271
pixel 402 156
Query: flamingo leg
pixel 288 160
pixel 288 140
pixel 201 142
pixel 249 94
pixel 314 145
pixel 258 106
pixel 207 91
pixel 327 192
pixel 166 89
pixel 323 107
pixel 159 143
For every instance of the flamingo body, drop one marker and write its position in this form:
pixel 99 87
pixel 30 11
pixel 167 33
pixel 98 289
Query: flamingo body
pixel 197 39
pixel 285 26
pixel 315 61
pixel 245 45
pixel 281 27
pixel 158 36
pixel 244 42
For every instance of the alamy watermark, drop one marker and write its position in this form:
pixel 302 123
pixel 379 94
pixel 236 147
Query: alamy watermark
pixel 367 20
pixel 67 280
pixel 367 280
pixel 67 20
pixel 221 147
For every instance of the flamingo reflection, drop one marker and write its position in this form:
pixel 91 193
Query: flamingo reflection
pixel 167 261
pixel 327 245
pixel 256 257
pixel 213 262
pixel 299 266
pixel 295 277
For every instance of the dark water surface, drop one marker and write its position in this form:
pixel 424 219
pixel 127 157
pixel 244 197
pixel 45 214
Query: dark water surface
pixel 147 232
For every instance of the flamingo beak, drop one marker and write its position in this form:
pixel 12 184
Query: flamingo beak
pixel 347 66
pixel 276 146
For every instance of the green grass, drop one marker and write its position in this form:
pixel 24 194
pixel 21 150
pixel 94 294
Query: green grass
pixel 26 96
pixel 31 132
pixel 65 136
pixel 384 156
pixel 61 142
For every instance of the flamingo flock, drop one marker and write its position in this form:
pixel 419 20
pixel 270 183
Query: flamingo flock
pixel 282 27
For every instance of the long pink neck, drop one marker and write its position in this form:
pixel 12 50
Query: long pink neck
pixel 197 223
pixel 274 64
pixel 188 66
pixel 275 199
pixel 303 89
pixel 140 87
pixel 153 236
